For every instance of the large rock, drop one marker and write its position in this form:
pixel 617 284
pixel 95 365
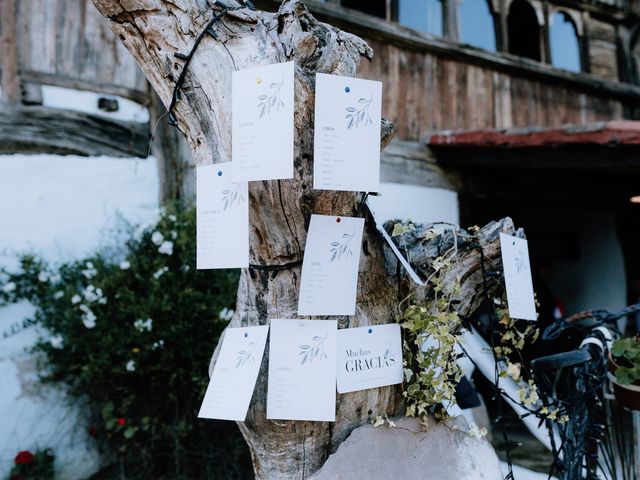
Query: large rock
pixel 444 451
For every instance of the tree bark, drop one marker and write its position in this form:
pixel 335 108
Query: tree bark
pixel 9 47
pixel 154 30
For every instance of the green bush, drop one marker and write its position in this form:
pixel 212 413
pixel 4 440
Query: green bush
pixel 132 331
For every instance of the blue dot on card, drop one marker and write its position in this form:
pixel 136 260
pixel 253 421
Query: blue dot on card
pixel 246 334
pixel 219 173
pixel 347 89
pixel 370 330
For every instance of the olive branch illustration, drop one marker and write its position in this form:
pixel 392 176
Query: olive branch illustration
pixel 356 116
pixel 232 196
pixel 342 249
pixel 520 263
pixel 245 356
pixel 310 352
pixel 271 101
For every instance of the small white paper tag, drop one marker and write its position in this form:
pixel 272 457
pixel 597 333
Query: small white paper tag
pixel 369 357
pixel 330 267
pixel 222 219
pixel 262 122
pixel 517 276
pixel 348 114
pixel 403 261
pixel 302 370
pixel 234 374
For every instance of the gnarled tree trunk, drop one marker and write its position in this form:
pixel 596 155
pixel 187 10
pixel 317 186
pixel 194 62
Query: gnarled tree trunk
pixel 154 30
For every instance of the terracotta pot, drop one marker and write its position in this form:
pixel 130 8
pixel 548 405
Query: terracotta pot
pixel 627 396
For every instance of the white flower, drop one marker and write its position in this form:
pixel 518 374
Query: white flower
pixel 166 248
pixel 185 268
pixel 174 234
pixel 513 370
pixel 477 432
pixel 124 265
pixel 137 235
pixel 89 273
pixel 131 366
pixel 55 278
pixel 160 272
pixel 173 218
pixel 158 344
pixel 56 341
pixel 157 238
pixel 58 295
pixel 143 325
pixel 9 287
pixel 43 276
pixel 76 299
pixel 226 314
pixel 88 317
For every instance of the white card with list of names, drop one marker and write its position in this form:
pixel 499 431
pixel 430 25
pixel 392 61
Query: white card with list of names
pixel 222 218
pixel 369 357
pixel 348 113
pixel 262 105
pixel 517 277
pixel 330 266
pixel 235 373
pixel 302 370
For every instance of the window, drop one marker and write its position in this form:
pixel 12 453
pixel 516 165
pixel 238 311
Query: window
pixel 424 15
pixel 372 7
pixel 565 48
pixel 477 27
pixel 523 30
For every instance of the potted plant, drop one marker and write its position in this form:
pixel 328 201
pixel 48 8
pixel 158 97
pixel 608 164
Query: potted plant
pixel 624 368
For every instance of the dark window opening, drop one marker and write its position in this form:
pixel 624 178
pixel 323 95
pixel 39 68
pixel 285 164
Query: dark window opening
pixel 423 15
pixel 372 7
pixel 524 31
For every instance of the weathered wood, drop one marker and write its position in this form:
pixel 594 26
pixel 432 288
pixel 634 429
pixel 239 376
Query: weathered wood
pixel 34 129
pixel 9 57
pixel 412 163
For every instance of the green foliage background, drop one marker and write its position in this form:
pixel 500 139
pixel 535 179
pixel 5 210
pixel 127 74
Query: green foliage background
pixel 143 381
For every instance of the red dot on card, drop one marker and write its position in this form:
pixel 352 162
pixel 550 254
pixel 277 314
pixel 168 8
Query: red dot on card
pixel 338 219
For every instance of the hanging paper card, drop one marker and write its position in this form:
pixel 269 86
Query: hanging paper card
pixel 517 276
pixel 222 219
pixel 369 357
pixel 262 103
pixel 347 134
pixel 330 266
pixel 302 370
pixel 403 261
pixel 235 373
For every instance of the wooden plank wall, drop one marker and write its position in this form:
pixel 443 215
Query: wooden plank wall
pixel 424 92
pixel 70 40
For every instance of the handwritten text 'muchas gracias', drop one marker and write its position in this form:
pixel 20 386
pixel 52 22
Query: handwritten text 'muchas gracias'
pixel 363 360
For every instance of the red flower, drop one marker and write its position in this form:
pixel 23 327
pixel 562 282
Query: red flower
pixel 122 422
pixel 93 431
pixel 24 457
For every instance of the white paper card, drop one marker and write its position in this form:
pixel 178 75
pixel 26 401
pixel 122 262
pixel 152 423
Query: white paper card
pixel 348 113
pixel 517 276
pixel 235 373
pixel 262 103
pixel 403 261
pixel 222 219
pixel 369 357
pixel 330 266
pixel 302 370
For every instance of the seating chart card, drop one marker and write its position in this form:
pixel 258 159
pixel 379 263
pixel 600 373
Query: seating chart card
pixel 517 276
pixel 262 122
pixel 222 218
pixel 235 373
pixel 369 357
pixel 302 370
pixel 330 267
pixel 348 114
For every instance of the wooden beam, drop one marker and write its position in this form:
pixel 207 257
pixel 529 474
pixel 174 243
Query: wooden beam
pixel 9 56
pixel 412 163
pixel 35 129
